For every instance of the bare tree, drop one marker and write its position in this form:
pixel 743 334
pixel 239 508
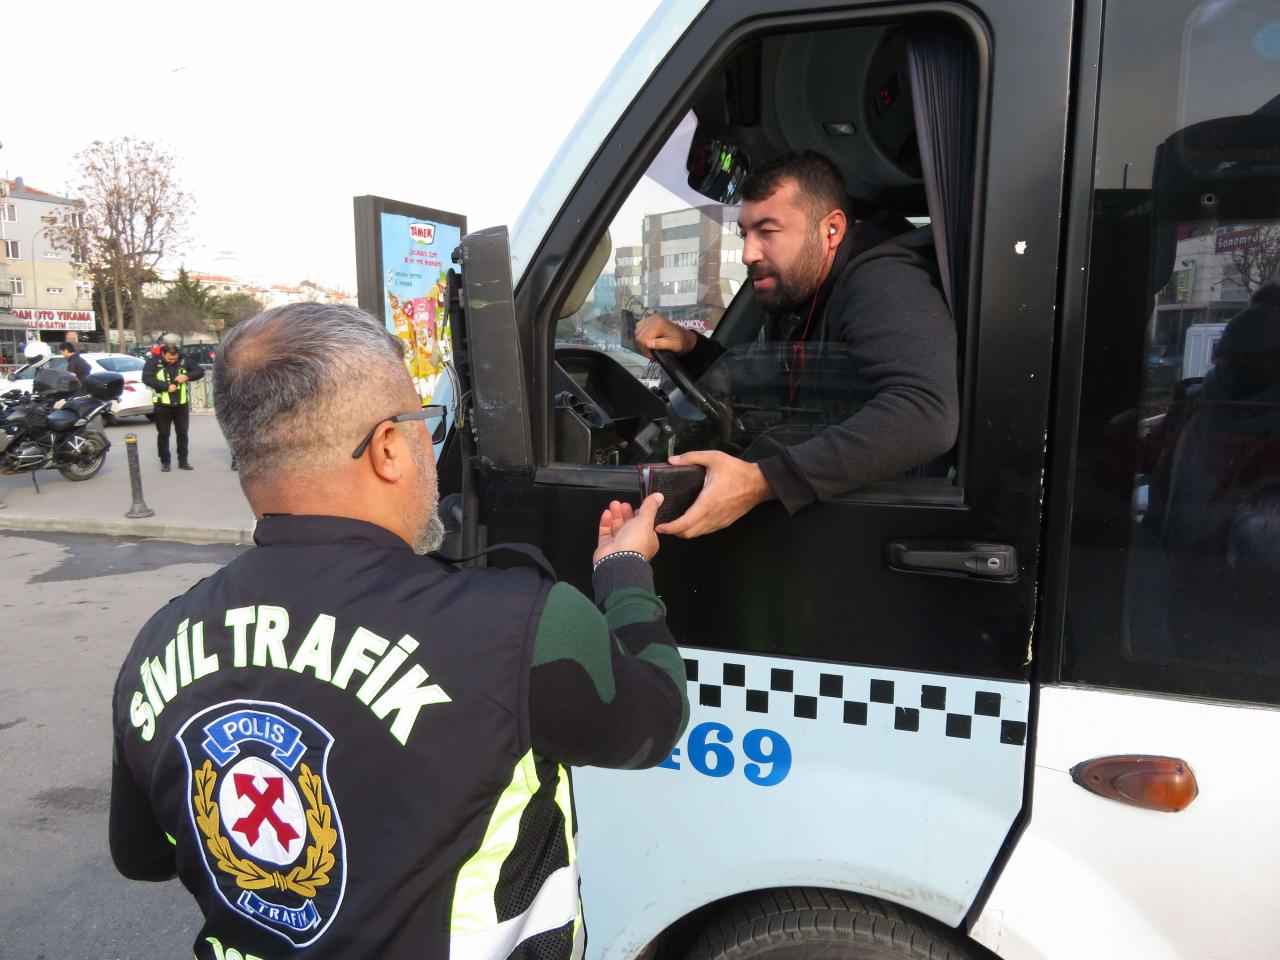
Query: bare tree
pixel 1256 262
pixel 135 211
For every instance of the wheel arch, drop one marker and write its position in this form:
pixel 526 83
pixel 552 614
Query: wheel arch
pixel 682 935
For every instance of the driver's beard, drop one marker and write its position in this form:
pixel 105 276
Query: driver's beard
pixel 797 284
pixel 426 526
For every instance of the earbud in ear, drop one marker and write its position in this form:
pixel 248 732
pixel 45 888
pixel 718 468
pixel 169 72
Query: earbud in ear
pixel 831 231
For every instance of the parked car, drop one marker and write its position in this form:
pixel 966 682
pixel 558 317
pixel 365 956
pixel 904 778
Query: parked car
pixel 135 401
pixel 202 353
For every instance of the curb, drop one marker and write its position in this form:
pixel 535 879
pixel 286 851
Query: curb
pixel 141 529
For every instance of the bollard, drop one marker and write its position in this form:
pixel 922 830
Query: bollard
pixel 139 508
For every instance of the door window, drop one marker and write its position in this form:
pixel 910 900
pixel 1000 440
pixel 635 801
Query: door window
pixel 675 248
pixel 672 251
pixel 1175 553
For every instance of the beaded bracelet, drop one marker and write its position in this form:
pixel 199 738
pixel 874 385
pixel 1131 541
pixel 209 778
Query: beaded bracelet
pixel 620 553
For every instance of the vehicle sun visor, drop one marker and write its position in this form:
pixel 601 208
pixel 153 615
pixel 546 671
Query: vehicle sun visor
pixel 587 277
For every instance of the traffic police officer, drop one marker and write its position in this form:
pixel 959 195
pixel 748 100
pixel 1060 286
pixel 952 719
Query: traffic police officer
pixel 346 748
pixel 168 374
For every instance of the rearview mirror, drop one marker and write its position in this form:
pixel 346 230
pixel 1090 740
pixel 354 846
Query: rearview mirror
pixel 716 168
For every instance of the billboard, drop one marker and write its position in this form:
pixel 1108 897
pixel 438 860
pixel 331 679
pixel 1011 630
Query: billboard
pixel 402 261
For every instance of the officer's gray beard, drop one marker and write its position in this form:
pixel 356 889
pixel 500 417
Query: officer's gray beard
pixel 429 531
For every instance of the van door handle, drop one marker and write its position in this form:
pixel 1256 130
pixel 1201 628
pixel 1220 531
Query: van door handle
pixel 990 561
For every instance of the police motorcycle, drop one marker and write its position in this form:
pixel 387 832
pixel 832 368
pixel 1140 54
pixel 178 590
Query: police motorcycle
pixel 59 425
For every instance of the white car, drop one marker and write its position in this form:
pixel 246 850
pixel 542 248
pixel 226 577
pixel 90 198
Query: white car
pixel 135 401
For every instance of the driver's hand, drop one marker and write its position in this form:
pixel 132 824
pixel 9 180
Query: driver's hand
pixel 731 489
pixel 656 332
pixel 623 528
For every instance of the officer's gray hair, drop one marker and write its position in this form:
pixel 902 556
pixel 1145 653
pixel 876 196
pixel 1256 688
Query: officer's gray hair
pixel 296 386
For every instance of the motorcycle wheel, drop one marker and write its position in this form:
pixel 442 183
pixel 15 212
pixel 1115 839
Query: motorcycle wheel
pixel 83 471
pixel 86 470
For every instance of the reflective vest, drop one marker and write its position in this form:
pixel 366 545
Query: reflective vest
pixel 166 374
pixel 334 732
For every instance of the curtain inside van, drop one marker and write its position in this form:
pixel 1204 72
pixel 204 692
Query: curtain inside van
pixel 944 85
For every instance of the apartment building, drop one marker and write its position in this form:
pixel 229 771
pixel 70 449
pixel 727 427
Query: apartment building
pixel 48 293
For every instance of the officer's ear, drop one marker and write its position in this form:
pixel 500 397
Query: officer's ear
pixel 388 453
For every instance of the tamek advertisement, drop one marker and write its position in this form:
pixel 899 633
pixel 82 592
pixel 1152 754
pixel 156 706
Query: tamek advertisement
pixel 403 256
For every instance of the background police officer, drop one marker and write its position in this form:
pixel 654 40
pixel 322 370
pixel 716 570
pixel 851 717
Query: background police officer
pixel 76 364
pixel 344 746
pixel 168 375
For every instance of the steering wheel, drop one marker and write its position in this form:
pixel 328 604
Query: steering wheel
pixel 674 369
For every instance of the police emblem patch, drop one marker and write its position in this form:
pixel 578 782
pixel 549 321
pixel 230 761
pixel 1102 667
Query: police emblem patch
pixel 259 799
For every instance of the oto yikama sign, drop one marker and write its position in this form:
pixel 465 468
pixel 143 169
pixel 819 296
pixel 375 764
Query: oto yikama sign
pixel 55 319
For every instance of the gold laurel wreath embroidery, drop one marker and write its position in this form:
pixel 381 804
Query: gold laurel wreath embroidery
pixel 303 879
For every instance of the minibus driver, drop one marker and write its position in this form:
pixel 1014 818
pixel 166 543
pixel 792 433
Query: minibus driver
pixel 817 277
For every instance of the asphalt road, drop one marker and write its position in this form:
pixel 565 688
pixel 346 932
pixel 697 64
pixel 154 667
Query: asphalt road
pixel 69 609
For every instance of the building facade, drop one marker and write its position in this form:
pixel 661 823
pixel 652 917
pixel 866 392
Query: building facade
pixel 50 295
pixel 1215 272
pixel 691 264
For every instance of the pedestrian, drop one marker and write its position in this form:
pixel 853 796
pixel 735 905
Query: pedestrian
pixel 168 376
pixel 342 744
pixel 76 364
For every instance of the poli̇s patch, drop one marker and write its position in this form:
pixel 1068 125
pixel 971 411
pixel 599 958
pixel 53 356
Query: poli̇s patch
pixel 259 798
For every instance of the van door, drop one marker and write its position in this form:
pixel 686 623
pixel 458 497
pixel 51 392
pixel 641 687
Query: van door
pixel 859 675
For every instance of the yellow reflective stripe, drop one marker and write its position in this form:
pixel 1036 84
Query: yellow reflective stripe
pixel 473 906
pixel 565 803
pixel 564 800
pixel 164 396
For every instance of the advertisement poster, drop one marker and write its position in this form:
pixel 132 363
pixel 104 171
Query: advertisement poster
pixel 410 248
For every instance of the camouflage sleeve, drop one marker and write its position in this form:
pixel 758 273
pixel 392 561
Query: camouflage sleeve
pixel 607 684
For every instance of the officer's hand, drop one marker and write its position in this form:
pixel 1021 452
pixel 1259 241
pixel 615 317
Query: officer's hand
pixel 173 388
pixel 732 488
pixel 622 528
pixel 181 378
pixel 656 332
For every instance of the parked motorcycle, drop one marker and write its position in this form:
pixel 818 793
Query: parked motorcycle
pixel 59 425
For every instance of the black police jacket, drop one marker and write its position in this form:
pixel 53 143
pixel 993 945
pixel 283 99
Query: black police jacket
pixel 328 739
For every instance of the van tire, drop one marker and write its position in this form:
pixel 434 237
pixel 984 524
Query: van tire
pixel 799 923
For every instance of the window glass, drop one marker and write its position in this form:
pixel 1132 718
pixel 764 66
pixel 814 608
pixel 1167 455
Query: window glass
pixel 1175 555
pixel 121 364
pixel 673 251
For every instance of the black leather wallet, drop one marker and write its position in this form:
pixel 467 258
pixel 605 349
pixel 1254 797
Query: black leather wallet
pixel 679 487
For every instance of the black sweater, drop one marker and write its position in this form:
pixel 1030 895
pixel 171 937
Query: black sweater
pixel 881 300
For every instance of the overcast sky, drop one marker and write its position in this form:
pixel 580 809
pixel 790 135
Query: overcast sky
pixel 281 112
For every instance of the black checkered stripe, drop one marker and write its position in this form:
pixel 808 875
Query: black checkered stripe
pixel 714 684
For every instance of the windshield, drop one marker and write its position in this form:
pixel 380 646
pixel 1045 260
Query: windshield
pixel 650 46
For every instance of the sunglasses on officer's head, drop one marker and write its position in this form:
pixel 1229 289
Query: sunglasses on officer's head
pixel 432 415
